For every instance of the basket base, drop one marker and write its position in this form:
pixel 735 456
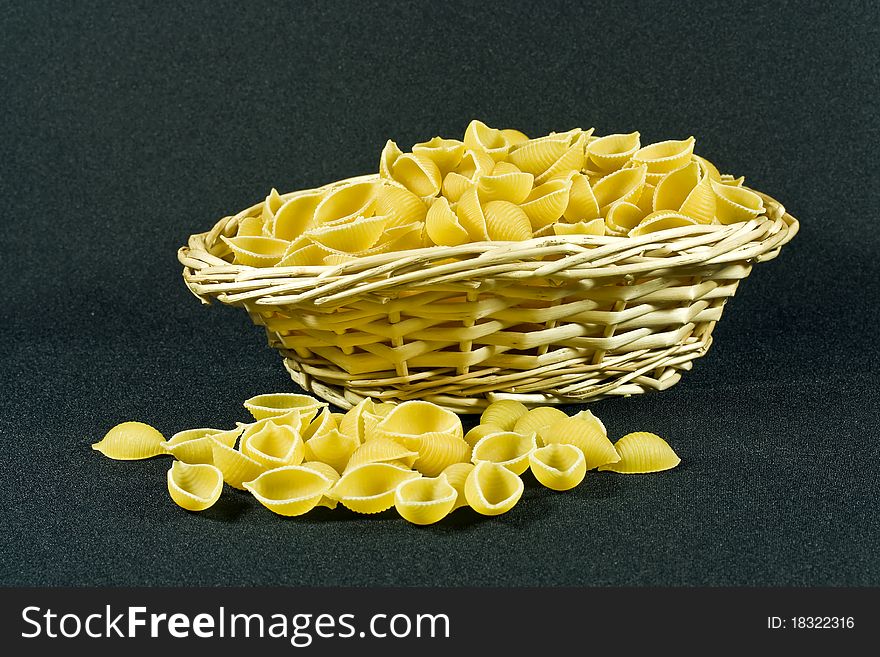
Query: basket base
pixel 574 383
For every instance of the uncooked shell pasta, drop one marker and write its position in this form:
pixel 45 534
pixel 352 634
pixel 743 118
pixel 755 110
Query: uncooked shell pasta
pixel 558 466
pixel 195 487
pixel 235 467
pixel 370 488
pixel 505 448
pixel 194 445
pixel 457 474
pixel 537 420
pixel 426 500
pixel 477 433
pixel 503 413
pixel 642 452
pixel 282 403
pixel 381 450
pixel 131 441
pixel 492 489
pixel 587 436
pixel 274 445
pixel 494 185
pixel 291 490
pixel 411 455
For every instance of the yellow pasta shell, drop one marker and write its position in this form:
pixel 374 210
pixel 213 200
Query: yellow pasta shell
pixel 235 467
pixel 194 445
pixel 502 168
pixel 437 451
pixel 537 421
pixel 131 441
pixel 645 202
pixel 558 466
pixel 675 186
pixel 505 448
pixel 491 489
pixel 611 152
pixel 592 227
pixel 389 156
pixel 407 236
pixel 642 452
pixel 333 448
pixel 370 488
pixel 400 205
pixel 320 426
pixel 308 255
pixel 454 185
pixel 478 136
pixel 457 474
pixel 445 153
pixel 411 421
pixel 470 215
pixel 255 251
pixel 276 404
pixel 587 436
pixel 513 137
pixel 353 236
pixel 249 226
pixel 504 184
pixel 665 156
pixel 274 445
pixel 194 487
pixel 662 220
pixel 296 216
pixel 270 206
pixel 477 433
pixel 582 204
pixel 291 490
pixel 622 217
pixel 587 416
pixel 571 160
pixel 736 204
pixel 372 417
pixel 475 163
pixel 700 203
pixel 623 185
pixel 347 201
pixel 503 413
pixel 547 202
pixel 418 174
pixel 324 469
pixel 397 238
pixel 506 222
pixel 442 225
pixel 537 155
pixel 426 500
pixel 352 422
pixel 382 450
pixel 707 169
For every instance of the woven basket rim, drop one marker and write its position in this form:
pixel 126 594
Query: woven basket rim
pixel 210 276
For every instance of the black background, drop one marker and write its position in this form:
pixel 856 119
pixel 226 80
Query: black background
pixel 128 126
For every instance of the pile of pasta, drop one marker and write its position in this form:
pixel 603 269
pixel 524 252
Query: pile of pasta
pixel 497 185
pixel 297 455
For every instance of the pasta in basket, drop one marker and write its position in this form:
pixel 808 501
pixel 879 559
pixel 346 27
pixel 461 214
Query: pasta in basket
pixel 494 185
pixel 413 456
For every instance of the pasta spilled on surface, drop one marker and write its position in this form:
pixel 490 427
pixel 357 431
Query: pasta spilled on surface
pixel 414 456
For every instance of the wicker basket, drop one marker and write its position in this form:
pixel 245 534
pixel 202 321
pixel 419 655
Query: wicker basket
pixel 551 320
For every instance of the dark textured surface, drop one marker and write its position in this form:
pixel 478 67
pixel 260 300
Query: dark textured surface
pixel 127 127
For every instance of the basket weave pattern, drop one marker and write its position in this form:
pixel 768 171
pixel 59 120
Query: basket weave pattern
pixel 550 320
